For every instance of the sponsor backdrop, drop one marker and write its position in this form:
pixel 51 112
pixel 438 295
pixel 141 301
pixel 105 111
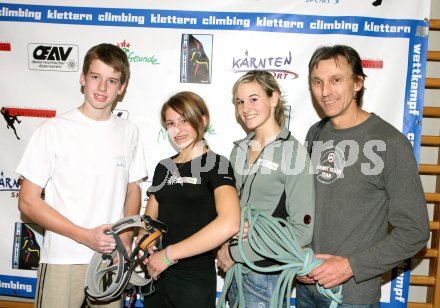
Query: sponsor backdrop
pixel 200 46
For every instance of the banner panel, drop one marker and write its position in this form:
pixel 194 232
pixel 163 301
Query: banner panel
pixel 42 48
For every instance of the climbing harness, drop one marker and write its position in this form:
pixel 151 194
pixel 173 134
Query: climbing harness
pixel 108 275
pixel 274 239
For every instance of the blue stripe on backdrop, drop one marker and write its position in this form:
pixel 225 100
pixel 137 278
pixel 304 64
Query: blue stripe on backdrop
pixel 18 286
pixel 267 22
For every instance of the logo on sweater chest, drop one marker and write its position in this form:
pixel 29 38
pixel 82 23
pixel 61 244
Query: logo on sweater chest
pixel 331 166
pixel 121 162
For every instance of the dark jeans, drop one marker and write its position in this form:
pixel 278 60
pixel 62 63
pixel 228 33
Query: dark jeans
pixel 308 299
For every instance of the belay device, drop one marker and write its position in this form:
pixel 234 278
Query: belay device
pixel 108 275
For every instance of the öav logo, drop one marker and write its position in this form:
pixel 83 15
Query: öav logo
pixel 53 57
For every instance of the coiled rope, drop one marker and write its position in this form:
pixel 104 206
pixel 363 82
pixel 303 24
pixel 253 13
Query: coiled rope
pixel 274 238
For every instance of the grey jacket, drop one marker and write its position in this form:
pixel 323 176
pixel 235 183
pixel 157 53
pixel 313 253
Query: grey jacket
pixel 279 183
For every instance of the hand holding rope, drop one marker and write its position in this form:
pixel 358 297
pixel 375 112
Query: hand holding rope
pixel 274 238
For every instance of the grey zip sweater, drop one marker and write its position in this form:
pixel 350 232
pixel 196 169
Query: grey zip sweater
pixel 278 183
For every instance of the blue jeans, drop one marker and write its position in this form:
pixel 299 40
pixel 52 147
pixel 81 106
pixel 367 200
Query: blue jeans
pixel 308 299
pixel 257 290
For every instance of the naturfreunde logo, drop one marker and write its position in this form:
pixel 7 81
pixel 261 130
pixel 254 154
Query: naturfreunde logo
pixel 134 58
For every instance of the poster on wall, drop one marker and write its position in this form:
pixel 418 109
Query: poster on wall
pixel 195 63
pixel 202 47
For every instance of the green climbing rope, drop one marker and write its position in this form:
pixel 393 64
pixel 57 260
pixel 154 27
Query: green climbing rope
pixel 274 238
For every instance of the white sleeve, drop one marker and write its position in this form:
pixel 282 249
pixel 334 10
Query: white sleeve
pixel 38 160
pixel 138 169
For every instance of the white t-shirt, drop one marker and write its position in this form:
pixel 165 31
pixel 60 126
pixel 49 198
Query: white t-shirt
pixel 84 166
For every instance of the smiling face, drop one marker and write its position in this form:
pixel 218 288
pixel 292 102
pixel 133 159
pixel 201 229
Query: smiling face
pixel 334 88
pixel 180 131
pixel 101 87
pixel 254 106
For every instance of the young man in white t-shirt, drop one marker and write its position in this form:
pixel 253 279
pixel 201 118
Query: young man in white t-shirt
pixel 89 163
